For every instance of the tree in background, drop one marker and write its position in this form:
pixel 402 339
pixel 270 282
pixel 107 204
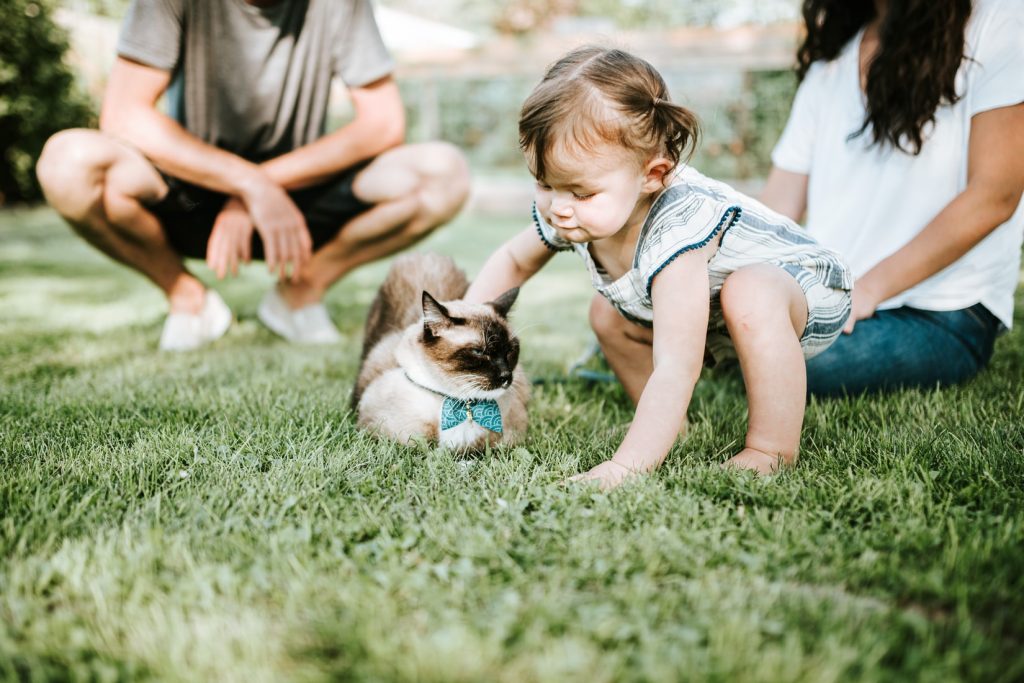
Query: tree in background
pixel 38 94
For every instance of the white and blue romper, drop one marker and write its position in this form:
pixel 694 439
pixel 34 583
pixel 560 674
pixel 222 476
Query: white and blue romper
pixel 691 212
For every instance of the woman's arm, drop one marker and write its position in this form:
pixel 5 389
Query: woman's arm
pixel 995 181
pixel 681 300
pixel 786 193
pixel 510 266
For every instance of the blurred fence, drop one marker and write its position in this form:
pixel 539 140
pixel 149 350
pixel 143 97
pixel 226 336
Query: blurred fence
pixel 737 82
pixel 742 114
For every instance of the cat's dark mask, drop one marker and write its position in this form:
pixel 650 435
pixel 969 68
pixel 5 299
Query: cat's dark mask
pixel 474 345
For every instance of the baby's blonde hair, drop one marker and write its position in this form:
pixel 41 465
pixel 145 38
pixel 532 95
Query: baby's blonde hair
pixel 594 95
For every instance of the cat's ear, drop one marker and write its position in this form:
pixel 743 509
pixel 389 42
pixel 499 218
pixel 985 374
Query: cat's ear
pixel 503 304
pixel 434 314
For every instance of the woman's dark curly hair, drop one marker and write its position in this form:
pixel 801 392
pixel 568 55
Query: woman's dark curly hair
pixel 921 47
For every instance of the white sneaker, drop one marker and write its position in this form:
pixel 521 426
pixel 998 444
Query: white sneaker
pixel 187 331
pixel 307 325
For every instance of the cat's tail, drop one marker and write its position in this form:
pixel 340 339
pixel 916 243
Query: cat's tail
pixel 399 302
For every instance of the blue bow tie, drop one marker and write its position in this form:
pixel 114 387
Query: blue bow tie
pixel 484 412
pixel 454 411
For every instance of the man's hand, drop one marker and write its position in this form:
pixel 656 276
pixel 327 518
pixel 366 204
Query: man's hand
pixel 608 475
pixel 231 239
pixel 281 225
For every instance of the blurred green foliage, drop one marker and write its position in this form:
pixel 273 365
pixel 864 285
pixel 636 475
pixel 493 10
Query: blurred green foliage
pixel 758 116
pixel 38 94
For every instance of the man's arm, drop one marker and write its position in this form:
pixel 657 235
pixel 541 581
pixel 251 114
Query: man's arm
pixel 129 112
pixel 379 125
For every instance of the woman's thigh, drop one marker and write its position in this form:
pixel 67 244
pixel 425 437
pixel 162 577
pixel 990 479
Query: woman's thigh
pixel 905 347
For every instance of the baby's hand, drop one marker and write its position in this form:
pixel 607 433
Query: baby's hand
pixel 608 475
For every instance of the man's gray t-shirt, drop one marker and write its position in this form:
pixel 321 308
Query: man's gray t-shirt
pixel 255 81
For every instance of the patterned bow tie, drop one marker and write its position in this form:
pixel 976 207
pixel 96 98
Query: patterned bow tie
pixel 484 412
pixel 454 411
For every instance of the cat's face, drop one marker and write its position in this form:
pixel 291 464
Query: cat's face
pixel 472 344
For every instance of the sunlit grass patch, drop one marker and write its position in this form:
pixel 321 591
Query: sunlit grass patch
pixel 216 516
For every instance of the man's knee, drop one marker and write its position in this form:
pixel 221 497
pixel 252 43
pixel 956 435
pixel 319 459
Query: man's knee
pixel 443 162
pixel 443 182
pixel 85 173
pixel 71 171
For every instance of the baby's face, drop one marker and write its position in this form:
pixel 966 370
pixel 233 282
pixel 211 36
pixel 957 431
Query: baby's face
pixel 592 195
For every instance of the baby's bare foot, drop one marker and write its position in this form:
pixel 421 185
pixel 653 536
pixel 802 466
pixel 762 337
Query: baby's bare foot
pixel 759 461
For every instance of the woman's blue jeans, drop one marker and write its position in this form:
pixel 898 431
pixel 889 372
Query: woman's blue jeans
pixel 905 347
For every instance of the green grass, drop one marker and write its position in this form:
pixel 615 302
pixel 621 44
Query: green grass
pixel 216 515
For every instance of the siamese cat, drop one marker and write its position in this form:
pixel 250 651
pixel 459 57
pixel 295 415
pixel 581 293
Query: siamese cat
pixel 438 368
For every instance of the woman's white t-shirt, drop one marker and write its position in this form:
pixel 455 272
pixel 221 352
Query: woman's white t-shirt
pixel 866 202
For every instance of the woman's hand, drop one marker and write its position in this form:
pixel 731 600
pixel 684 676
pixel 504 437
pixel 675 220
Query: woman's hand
pixel 865 303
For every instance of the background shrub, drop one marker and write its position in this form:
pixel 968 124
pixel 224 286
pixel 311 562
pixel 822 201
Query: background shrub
pixel 38 94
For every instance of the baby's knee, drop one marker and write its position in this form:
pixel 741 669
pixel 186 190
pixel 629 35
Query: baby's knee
pixel 604 319
pixel 756 296
pixel 612 329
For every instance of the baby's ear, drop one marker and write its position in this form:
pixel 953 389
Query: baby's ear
pixel 434 314
pixel 503 304
pixel 656 172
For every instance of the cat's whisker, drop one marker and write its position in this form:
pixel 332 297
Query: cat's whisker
pixel 519 330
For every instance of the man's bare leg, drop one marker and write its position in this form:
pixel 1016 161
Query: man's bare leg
pixel 413 188
pixel 99 185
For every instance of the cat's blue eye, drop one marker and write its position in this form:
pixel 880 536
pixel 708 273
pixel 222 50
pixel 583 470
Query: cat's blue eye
pixel 480 353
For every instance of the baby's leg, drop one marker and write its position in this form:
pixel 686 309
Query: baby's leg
pixel 766 311
pixel 628 347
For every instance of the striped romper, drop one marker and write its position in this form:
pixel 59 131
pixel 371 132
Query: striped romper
pixel 691 212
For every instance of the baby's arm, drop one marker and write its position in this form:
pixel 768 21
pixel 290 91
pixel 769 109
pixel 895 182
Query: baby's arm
pixel 510 266
pixel 680 295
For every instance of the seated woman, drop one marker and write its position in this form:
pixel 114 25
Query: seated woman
pixel 905 145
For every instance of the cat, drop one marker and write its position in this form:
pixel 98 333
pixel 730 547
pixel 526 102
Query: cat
pixel 436 367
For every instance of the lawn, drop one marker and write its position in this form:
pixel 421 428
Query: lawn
pixel 216 515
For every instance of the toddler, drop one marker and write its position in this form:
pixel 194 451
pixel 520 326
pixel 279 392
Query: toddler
pixel 683 265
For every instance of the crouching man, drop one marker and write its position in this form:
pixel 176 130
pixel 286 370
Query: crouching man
pixel 240 166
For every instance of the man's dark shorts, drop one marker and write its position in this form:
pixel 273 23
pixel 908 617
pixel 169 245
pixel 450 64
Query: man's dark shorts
pixel 187 212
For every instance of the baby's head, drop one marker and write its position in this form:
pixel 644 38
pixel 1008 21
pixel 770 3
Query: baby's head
pixel 594 97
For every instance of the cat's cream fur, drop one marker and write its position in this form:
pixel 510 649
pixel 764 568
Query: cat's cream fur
pixel 397 348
